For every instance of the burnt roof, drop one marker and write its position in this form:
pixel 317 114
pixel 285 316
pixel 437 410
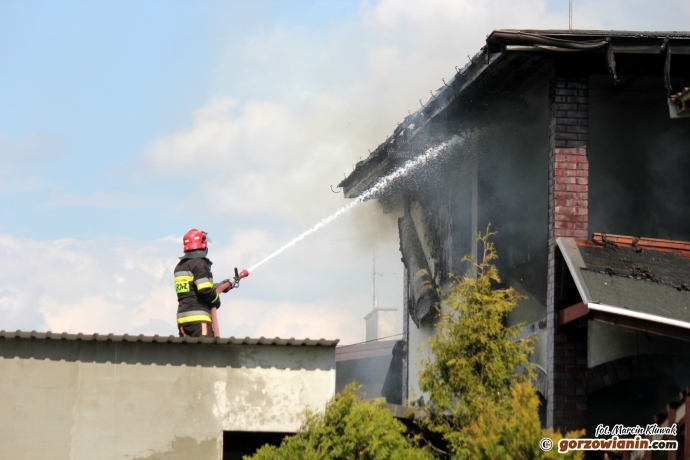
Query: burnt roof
pixel 664 262
pixel 582 35
pixel 509 61
pixel 164 339
pixel 643 278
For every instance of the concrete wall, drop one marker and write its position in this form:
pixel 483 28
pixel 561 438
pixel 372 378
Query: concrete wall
pixel 418 352
pixel 130 400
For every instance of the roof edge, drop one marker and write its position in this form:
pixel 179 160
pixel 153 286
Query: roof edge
pixel 682 248
pixel 164 339
pixel 573 259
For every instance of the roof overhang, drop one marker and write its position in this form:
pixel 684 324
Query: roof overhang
pixel 524 50
pixel 639 314
pixel 621 41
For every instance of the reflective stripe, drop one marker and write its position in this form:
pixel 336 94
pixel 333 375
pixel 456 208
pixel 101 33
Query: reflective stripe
pixel 204 286
pixel 203 280
pixel 192 313
pixel 214 300
pixel 183 273
pixel 179 279
pixel 191 319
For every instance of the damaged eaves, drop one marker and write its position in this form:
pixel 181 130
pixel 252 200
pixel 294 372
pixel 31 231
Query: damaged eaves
pixel 624 42
pixel 468 90
pixel 661 261
pixel 512 60
pixel 367 170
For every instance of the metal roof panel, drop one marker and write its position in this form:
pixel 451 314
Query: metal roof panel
pixel 276 341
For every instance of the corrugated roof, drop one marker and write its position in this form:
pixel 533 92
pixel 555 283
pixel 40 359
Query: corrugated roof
pixel 166 339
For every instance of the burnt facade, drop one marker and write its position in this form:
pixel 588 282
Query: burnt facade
pixel 562 134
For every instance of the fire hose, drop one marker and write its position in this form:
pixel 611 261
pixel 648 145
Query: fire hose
pixel 225 286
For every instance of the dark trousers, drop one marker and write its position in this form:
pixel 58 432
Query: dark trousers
pixel 196 330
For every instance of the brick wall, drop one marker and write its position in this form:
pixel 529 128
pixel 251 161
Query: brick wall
pixel 568 200
pixel 568 217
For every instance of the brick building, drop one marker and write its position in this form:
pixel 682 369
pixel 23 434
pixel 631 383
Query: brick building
pixel 562 134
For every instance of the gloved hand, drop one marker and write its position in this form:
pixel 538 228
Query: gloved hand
pixel 228 281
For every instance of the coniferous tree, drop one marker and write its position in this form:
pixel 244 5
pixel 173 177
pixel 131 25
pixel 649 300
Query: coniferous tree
pixel 350 428
pixel 478 375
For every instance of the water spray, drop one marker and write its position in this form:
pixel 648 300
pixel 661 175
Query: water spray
pixel 380 185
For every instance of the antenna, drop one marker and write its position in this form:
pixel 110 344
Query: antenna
pixel 570 14
pixel 374 299
pixel 374 273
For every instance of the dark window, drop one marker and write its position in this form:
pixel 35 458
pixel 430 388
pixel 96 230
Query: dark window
pixel 237 444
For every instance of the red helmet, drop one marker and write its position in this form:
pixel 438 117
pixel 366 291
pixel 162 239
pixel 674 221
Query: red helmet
pixel 194 239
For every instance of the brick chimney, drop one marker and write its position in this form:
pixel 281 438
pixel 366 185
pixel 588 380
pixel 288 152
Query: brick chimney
pixel 568 217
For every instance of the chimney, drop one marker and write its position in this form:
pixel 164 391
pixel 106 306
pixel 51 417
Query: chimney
pixel 381 323
pixel 568 217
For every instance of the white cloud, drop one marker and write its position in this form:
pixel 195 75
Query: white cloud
pixel 125 286
pixel 84 286
pixel 259 157
pixel 327 319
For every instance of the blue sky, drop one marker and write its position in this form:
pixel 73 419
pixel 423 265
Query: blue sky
pixel 99 80
pixel 125 123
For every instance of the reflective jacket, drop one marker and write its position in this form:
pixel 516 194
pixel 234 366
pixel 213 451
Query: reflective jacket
pixel 195 292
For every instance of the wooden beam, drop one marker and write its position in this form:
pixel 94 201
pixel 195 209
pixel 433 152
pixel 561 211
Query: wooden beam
pixel 573 312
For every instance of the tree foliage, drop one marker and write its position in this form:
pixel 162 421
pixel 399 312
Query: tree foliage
pixel 350 428
pixel 478 379
pixel 513 434
pixel 475 357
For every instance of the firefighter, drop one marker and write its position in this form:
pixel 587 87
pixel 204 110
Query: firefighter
pixel 196 293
